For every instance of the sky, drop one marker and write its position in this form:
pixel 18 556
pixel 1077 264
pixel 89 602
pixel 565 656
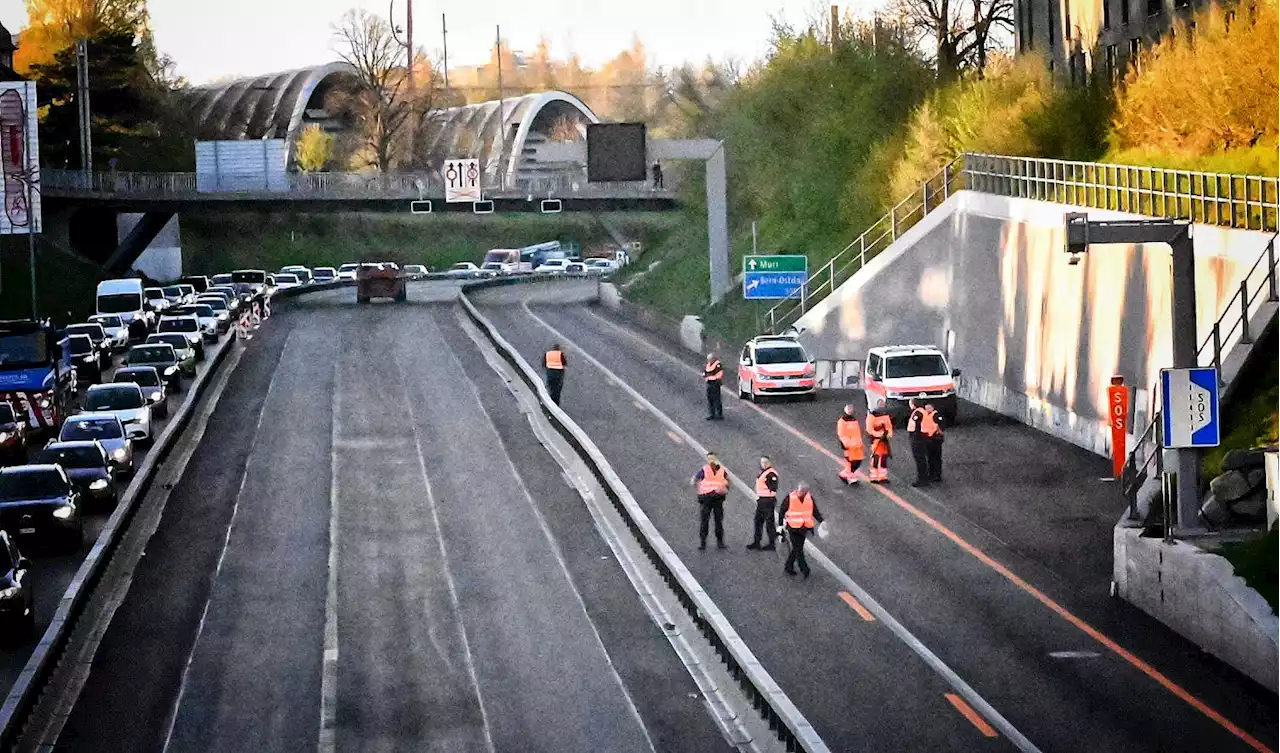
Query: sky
pixel 211 39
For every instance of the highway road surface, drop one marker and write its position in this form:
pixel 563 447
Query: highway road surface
pixel 370 551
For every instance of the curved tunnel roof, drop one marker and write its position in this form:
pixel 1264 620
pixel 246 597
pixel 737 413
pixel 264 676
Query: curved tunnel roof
pixel 272 106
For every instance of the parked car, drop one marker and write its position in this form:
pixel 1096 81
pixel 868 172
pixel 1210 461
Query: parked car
pixel 302 273
pixel 415 271
pixel 601 265
pixel 324 274
pixel 287 280
pixel 210 326
pixel 162 357
pixel 552 267
pixel 188 292
pixel 116 328
pixel 187 325
pixel 575 268
pixel 98 336
pixel 228 293
pixel 126 402
pixel 39 503
pixel 108 430
pixel 152 384
pixel 348 271
pixel 463 270
pixel 199 283
pixel 13 436
pixel 174 295
pixel 17 598
pixel 157 299
pixel 88 467
pixel 221 310
pixel 86 358
pixel 776 365
pixel 182 350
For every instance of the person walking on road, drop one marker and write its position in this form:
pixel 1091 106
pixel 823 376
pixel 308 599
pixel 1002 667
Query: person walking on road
pixel 880 427
pixel 766 504
pixel 712 485
pixel 799 516
pixel 714 374
pixel 931 428
pixel 555 363
pixel 919 444
pixel 850 434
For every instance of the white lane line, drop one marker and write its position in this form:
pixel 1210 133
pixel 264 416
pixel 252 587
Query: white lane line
pixel 329 673
pixel 550 539
pixel 940 667
pixel 226 541
pixel 444 552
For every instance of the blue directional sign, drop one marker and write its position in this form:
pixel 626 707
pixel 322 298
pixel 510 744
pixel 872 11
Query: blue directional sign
pixel 773 277
pixel 1190 410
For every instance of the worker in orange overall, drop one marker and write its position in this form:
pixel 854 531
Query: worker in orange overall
pixel 880 427
pixel 850 434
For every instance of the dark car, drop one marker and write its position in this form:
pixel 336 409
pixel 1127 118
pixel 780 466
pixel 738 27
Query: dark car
pixel 88 467
pixel 98 335
pixel 182 348
pixel 107 430
pixel 87 359
pixel 17 602
pixel 148 378
pixel 13 436
pixel 199 282
pixel 39 503
pixel 162 357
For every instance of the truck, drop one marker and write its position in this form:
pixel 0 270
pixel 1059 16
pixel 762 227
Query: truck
pixel 37 378
pixel 384 280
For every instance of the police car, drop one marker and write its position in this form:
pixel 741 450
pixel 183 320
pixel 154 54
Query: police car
pixel 894 374
pixel 776 365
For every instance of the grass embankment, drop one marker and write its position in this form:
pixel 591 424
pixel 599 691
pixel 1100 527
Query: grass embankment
pixel 1251 416
pixel 1257 562
pixel 218 242
pixel 63 283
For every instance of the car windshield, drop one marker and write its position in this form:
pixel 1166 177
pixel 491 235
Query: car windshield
pixel 324 274
pixel 201 309
pixel 780 354
pixel 463 265
pixel 922 365
pixel 6 414
pixel 221 279
pixel 214 304
pixel 253 276
pixel 492 265
pixel 79 345
pixel 110 322
pixel 348 267
pixel 173 291
pixel 155 294
pixel 32 485
pixel 158 354
pixel 114 398
pixel 179 325
pixel 92 331
pixel 175 340
pixel 286 278
pixel 140 377
pixel 91 428
pixel 27 349
pixel 111 304
pixel 87 456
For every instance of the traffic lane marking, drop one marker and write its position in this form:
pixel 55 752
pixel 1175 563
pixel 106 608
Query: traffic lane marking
pixel 857 607
pixel 1106 642
pixel 974 717
pixel 918 647
pixel 675 437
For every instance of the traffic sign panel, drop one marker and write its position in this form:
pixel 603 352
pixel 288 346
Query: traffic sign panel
pixel 461 180
pixel 767 278
pixel 776 263
pixel 1190 408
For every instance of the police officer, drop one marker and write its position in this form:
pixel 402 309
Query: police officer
pixel 931 428
pixel 766 503
pixel 919 444
pixel 712 485
pixel 555 362
pixel 798 516
pixel 714 374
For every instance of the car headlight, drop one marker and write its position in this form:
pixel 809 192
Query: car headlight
pixel 4 436
pixel 156 395
pixel 12 592
pixel 98 484
pixel 119 454
pixel 64 512
pixel 222 317
pixel 893 395
pixel 170 370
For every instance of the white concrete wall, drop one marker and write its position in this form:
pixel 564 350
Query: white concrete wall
pixel 1198 594
pixel 987 276
pixel 162 259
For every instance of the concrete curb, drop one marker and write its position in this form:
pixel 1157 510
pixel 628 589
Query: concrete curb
pixel 768 699
pixel 31 682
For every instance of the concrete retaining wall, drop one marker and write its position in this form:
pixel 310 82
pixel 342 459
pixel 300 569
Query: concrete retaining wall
pixel 986 277
pixel 1198 594
pixel 535 290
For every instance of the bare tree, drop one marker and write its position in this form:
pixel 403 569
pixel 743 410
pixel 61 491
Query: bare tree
pixel 962 32
pixel 380 100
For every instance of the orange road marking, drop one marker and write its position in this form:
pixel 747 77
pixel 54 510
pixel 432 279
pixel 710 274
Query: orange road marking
pixel 974 717
pixel 857 607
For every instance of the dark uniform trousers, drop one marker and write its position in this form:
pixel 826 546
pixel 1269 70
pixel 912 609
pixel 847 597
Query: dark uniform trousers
pixel 766 507
pixel 715 405
pixel 933 456
pixel 555 383
pixel 920 453
pixel 796 558
pixel 710 506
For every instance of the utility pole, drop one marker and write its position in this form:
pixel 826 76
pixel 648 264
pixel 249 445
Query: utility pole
pixel 408 35
pixel 82 108
pixel 502 121
pixel 444 37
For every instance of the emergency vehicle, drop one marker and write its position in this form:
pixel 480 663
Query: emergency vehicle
pixel 894 374
pixel 776 365
pixel 36 377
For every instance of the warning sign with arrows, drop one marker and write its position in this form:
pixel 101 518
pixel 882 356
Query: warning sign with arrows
pixel 461 180
pixel 773 277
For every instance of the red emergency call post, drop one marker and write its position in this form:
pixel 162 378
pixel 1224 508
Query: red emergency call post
pixel 1118 415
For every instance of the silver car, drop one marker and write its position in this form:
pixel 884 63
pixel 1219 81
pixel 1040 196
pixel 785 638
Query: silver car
pixel 116 328
pixel 126 402
pixel 106 429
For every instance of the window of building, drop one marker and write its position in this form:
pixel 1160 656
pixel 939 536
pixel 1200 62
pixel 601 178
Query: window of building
pixel 1113 61
pixel 1155 7
pixel 1135 52
pixel 1031 26
pixel 1106 14
pixel 1066 23
pixel 1124 12
pixel 1052 33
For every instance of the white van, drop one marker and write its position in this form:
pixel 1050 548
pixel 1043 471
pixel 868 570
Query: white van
pixel 124 298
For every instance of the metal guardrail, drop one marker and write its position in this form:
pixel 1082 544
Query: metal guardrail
pixel 768 699
pixel 882 233
pixel 333 186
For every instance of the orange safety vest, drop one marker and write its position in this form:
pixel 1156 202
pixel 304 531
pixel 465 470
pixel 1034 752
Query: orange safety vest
pixel 762 485
pixel 929 423
pixel 850 434
pixel 799 511
pixel 713 372
pixel 913 421
pixel 555 359
pixel 880 427
pixel 714 481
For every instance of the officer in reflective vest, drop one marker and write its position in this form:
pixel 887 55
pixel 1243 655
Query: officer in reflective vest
pixel 712 485
pixel 919 444
pixel 799 516
pixel 555 362
pixel 766 503
pixel 880 428
pixel 931 428
pixel 714 374
pixel 850 435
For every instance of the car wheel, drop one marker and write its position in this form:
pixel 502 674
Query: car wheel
pixel 742 394
pixel 751 392
pixel 810 397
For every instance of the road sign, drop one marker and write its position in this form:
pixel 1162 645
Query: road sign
pixel 461 180
pixel 1118 409
pixel 1190 410
pixel 773 277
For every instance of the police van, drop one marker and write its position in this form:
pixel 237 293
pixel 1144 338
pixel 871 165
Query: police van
pixel 894 374
pixel 776 365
